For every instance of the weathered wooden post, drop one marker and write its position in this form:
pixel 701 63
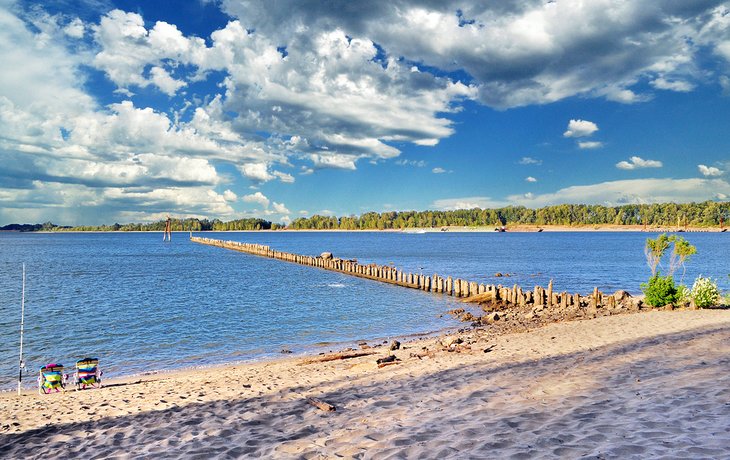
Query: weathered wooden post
pixel 538 295
pixel 449 285
pixel 550 293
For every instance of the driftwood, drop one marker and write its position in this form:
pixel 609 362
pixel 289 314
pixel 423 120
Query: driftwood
pixel 319 404
pixel 425 354
pixel 389 363
pixel 387 359
pixel 336 356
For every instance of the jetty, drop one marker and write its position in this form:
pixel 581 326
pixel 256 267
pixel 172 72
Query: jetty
pixel 468 291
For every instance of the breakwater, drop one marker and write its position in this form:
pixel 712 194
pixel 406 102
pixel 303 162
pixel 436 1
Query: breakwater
pixel 456 287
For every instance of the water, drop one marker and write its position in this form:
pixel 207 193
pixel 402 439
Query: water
pixel 142 305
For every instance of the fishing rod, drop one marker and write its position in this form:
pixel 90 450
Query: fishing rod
pixel 21 364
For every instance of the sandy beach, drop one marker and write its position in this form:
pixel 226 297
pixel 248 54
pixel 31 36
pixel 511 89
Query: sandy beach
pixel 651 384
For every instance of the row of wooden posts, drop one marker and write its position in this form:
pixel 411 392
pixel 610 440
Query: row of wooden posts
pixel 435 283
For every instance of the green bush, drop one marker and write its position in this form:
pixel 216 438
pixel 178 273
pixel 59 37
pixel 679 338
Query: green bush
pixel 684 295
pixel 659 291
pixel 705 292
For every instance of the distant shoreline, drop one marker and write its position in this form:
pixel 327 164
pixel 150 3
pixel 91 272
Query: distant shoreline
pixel 517 228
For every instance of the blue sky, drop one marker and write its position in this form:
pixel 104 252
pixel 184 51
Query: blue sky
pixel 120 111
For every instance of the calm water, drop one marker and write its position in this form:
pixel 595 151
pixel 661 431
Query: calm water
pixel 141 305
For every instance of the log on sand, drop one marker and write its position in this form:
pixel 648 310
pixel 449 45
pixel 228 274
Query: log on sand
pixel 336 356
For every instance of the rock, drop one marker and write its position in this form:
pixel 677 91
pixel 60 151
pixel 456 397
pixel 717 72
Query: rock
pixel 498 275
pixel 621 295
pixel 494 316
pixel 394 345
pixel 529 316
pixel 285 351
pixel 326 255
pixel 467 317
pixel 448 341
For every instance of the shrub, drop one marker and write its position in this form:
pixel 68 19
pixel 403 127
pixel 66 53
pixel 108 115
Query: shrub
pixel 684 295
pixel 660 290
pixel 705 292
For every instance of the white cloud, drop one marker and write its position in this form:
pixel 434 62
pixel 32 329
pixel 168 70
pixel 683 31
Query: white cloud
pixel 679 86
pixel 335 99
pixel 637 163
pixel 279 208
pixel 284 177
pixel 258 198
pixel 709 171
pixel 75 28
pixel 589 145
pixel 333 160
pixel 638 191
pixel 580 128
pixel 530 161
pixel 257 172
pixel 520 53
pixel 530 179
pixel 612 193
pixel 438 170
pixel 229 195
pixel 416 163
pixel 450 204
pixel 164 81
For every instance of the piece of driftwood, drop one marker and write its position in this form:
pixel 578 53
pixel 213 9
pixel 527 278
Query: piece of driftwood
pixel 389 363
pixel 319 404
pixel 336 356
pixel 425 354
pixel 387 359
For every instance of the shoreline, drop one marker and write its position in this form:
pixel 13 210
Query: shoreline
pixel 516 228
pixel 304 352
pixel 553 390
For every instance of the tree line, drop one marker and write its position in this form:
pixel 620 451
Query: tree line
pixel 706 214
pixel 190 224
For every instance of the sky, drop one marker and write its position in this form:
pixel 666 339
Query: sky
pixel 129 111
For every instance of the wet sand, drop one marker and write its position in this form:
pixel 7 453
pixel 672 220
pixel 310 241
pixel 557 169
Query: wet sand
pixel 652 384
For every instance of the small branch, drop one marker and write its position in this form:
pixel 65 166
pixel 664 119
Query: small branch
pixel 319 404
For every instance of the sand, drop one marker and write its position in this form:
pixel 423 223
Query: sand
pixel 643 385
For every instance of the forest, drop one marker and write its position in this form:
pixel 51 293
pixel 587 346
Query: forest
pixel 705 214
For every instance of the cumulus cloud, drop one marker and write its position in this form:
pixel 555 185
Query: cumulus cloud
pixel 258 198
pixel 709 171
pixel 583 145
pixel 75 28
pixel 580 128
pixel 279 208
pixel 303 82
pixel 520 53
pixel 259 172
pixel 530 179
pixel 638 163
pixel 438 170
pixel 230 196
